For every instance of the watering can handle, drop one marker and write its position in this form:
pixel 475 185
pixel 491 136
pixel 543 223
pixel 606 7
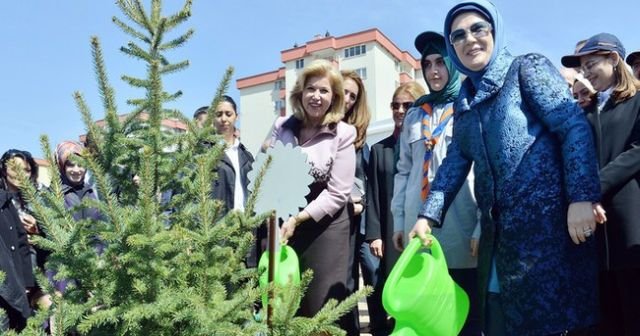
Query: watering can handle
pixel 436 250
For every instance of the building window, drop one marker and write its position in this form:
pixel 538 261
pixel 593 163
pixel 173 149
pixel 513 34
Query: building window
pixel 280 104
pixel 362 72
pixel 279 85
pixel 355 51
pixel 300 63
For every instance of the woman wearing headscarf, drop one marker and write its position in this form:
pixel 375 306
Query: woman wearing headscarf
pixel 425 137
pixel 616 124
pixel 536 182
pixel 72 175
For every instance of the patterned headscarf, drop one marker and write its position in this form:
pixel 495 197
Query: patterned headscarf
pixel 64 150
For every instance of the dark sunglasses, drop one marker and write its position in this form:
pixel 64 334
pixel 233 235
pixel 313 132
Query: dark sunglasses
pixel 406 105
pixel 477 30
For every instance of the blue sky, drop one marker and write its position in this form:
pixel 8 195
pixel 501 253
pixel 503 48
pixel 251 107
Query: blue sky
pixel 46 54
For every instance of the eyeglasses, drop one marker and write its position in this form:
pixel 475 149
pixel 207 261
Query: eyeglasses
pixel 406 105
pixel 588 66
pixel 477 30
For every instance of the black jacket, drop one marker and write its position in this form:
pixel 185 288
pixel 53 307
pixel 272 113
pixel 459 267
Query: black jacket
pixel 15 259
pixel 223 189
pixel 617 134
pixel 382 168
pixel 14 237
pixel 224 186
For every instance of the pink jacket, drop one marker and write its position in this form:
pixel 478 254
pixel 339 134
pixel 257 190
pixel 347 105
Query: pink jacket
pixel 332 157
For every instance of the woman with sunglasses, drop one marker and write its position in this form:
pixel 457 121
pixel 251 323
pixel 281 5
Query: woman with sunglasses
pixel 382 168
pixel 617 132
pixel 424 141
pixel 533 156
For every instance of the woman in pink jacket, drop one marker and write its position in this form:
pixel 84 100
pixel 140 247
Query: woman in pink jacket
pixel 319 233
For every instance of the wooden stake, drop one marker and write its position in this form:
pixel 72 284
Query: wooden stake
pixel 271 269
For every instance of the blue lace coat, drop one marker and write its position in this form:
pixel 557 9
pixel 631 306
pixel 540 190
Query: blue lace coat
pixel 534 155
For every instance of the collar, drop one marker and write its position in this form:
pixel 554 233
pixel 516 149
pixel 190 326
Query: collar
pixel 235 145
pixel 5 196
pixel 294 124
pixel 489 85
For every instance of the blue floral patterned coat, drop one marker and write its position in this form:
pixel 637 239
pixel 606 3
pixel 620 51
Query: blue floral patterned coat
pixel 534 155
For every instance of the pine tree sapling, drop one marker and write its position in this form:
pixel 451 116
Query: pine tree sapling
pixel 163 258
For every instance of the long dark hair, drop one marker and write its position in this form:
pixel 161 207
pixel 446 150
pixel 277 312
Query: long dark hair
pixel 16 153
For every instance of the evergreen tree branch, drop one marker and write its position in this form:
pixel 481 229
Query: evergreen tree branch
pixel 171 68
pixel 94 136
pixel 135 82
pixel 134 51
pixel 156 11
pixel 181 16
pixel 158 34
pixel 130 30
pixel 105 89
pixel 177 42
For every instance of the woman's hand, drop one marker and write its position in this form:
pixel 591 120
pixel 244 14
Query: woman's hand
pixel 28 223
pixel 581 221
pixel 398 240
pixel 599 213
pixel 474 246
pixel 420 230
pixel 357 208
pixel 289 227
pixel 376 248
pixel 287 230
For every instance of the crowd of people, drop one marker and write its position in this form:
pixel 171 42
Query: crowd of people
pixel 530 185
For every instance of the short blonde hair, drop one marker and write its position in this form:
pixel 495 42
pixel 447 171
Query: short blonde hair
pixel 319 68
pixel 359 115
pixel 412 88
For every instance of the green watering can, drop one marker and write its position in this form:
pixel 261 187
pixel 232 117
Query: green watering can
pixel 286 269
pixel 420 294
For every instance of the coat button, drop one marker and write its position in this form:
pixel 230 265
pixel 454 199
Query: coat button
pixel 13 248
pixel 11 228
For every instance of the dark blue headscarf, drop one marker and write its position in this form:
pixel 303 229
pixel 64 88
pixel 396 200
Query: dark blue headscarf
pixel 450 92
pixel 489 11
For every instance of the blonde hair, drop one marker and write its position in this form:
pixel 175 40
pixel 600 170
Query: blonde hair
pixel 626 85
pixel 359 114
pixel 319 68
pixel 412 88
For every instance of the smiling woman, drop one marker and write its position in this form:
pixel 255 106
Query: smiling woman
pixel 616 123
pixel 533 157
pixel 319 233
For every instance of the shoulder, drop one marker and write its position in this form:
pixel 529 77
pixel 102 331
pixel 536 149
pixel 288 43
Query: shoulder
pixel 243 149
pixel 534 65
pixel 345 133
pixel 390 140
pixel 344 129
pixel 280 121
pixel 414 114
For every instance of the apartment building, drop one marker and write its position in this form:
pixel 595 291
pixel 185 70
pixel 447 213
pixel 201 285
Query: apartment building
pixel 380 63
